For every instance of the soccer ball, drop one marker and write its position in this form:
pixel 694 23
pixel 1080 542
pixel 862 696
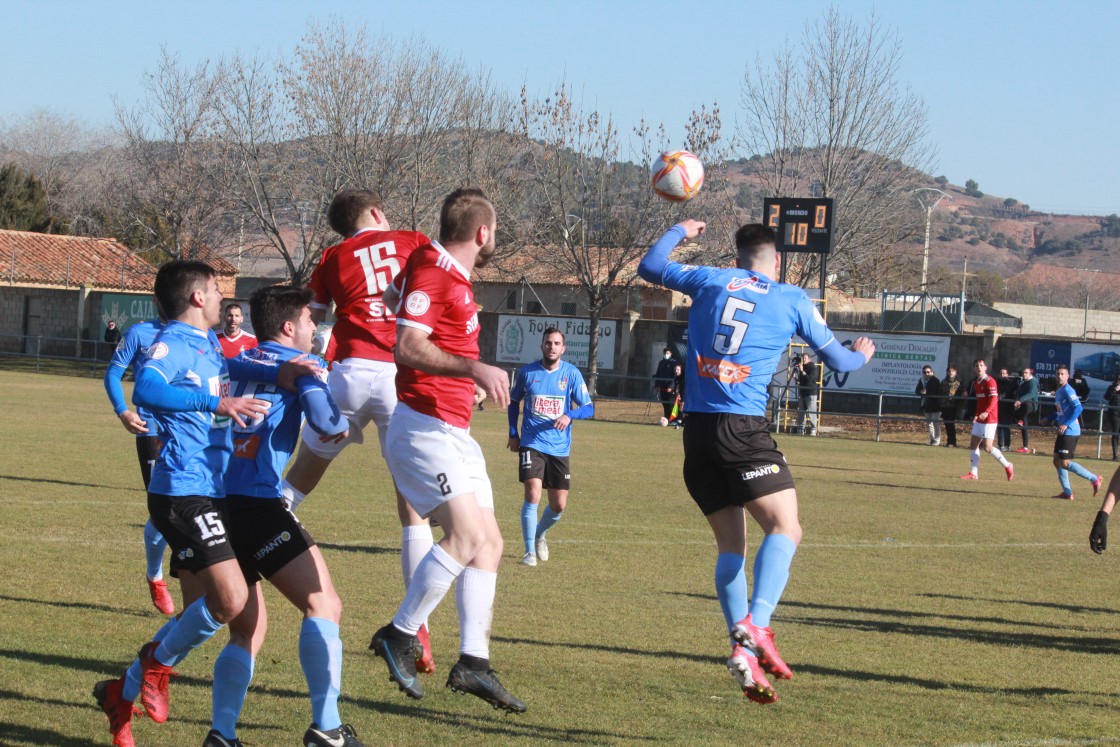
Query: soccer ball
pixel 677 175
pixel 664 422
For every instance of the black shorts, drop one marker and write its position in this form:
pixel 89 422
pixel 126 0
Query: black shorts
pixel 1065 447
pixel 731 459
pixel 195 529
pixel 147 451
pixel 554 472
pixel 266 535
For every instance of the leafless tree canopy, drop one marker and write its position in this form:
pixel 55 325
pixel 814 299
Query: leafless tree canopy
pixel 829 116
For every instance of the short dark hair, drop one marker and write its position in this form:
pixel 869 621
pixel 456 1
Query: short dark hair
pixel 347 208
pixel 1062 367
pixel 234 305
pixel 176 281
pixel 979 360
pixel 463 211
pixel 552 331
pixel 668 350
pixel 273 305
pixel 752 236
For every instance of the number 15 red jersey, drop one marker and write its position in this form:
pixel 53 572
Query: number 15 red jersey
pixel 354 274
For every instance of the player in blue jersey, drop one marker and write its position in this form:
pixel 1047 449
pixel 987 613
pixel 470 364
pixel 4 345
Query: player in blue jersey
pixel 132 350
pixel 740 323
pixel 1069 430
pixel 554 395
pixel 185 384
pixel 268 539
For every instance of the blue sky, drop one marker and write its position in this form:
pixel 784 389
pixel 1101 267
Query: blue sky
pixel 1021 95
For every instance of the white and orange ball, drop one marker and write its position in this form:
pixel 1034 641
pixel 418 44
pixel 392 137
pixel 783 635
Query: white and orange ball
pixel 677 175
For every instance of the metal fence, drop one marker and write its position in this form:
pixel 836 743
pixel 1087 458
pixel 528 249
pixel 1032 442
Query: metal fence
pixel 39 349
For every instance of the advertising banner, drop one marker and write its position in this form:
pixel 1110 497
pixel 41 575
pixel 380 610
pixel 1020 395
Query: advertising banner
pixel 897 364
pixel 125 309
pixel 1099 364
pixel 519 339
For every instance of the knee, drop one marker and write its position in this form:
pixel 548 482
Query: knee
pixel 558 502
pixel 326 605
pixel 227 603
pixel 793 531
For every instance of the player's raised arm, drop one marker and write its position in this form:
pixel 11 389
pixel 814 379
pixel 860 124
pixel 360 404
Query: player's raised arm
pixel 652 267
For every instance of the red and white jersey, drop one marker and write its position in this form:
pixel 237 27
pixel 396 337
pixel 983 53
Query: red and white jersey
pixel 436 297
pixel 232 346
pixel 354 274
pixel 986 392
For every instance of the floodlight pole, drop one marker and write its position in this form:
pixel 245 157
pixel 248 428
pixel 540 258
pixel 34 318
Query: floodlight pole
pixel 929 208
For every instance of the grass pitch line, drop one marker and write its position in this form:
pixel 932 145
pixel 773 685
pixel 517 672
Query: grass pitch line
pixel 1045 742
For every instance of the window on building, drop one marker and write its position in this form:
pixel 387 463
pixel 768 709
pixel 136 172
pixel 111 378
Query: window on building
pixel 533 307
pixel 511 300
pixel 568 308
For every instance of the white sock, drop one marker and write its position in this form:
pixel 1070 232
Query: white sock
pixel 434 576
pixel 474 596
pixel 416 542
pixel 1000 457
pixel 291 496
pixel 975 456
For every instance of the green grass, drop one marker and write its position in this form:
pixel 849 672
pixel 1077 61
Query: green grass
pixel 921 609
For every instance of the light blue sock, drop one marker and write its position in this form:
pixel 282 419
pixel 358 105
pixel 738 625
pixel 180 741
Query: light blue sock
pixel 135 674
pixel 771 572
pixel 320 655
pixel 731 587
pixel 529 525
pixel 196 626
pixel 548 518
pixel 1063 479
pixel 233 671
pixel 1080 471
pixel 154 545
pixel 167 627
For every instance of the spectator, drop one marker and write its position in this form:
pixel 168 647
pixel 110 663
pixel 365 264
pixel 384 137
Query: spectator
pixel 664 382
pixel 1112 413
pixel 929 389
pixel 1007 387
pixel 1026 404
pixel 808 387
pixel 1081 388
pixel 950 405
pixel 112 334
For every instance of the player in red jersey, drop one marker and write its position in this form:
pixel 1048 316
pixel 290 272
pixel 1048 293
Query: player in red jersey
pixel 438 467
pixel 354 274
pixel 232 338
pixel 986 391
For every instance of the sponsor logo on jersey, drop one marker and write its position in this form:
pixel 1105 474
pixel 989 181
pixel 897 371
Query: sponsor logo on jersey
pixel 417 303
pixel 472 323
pixel 246 447
pixel 751 284
pixel 725 371
pixel 688 268
pixel 548 407
pixel 272 544
pixel 157 351
pixel 763 471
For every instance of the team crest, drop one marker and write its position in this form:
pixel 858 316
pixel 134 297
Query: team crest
pixel 417 303
pixel 564 383
pixel 157 351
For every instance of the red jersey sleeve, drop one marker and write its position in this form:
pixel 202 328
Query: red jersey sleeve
pixel 424 298
pixel 317 284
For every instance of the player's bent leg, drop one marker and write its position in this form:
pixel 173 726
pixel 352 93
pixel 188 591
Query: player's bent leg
pixel 233 669
pixel 416 542
pixel 729 527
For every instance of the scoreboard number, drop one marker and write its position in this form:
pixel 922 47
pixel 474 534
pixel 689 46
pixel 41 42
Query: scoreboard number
pixel 800 224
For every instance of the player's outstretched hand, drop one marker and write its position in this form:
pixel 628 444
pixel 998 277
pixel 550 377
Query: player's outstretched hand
pixel 493 381
pixel 291 370
pixel 1098 537
pixel 514 444
pixel 133 423
pixel 864 345
pixel 692 228
pixel 242 409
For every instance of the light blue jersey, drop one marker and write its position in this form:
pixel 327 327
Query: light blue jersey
pixel 1068 410
pixel 196 441
pixel 263 447
pixel 132 350
pixel 739 325
pixel 547 396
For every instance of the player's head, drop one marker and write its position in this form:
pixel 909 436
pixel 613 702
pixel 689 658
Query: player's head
pixel 353 209
pixel 183 284
pixel 468 217
pixel 1062 375
pixel 980 367
pixel 754 248
pixel 552 345
pixel 281 314
pixel 233 317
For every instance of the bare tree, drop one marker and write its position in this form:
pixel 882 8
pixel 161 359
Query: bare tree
pixel 830 116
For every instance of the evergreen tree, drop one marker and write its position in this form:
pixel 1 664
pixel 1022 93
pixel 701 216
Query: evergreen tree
pixel 23 201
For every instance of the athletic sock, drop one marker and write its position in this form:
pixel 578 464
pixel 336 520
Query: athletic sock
pixel 529 525
pixel 771 572
pixel 233 671
pixel 434 576
pixel 167 627
pixel 135 673
pixel 416 542
pixel 1080 471
pixel 1000 457
pixel 974 457
pixel 291 495
pixel 547 520
pixel 1063 480
pixel 474 598
pixel 154 545
pixel 320 655
pixel 195 627
pixel 731 587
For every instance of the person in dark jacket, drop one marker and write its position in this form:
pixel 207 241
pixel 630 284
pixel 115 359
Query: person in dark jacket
pixel 112 334
pixel 1081 387
pixel 1026 405
pixel 1007 387
pixel 664 381
pixel 929 389
pixel 950 405
pixel 1112 413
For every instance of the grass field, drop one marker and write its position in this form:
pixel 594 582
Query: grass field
pixel 922 610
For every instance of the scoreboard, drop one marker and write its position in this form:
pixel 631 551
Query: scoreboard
pixel 801 224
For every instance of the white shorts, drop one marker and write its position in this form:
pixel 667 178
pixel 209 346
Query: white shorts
pixel 984 430
pixel 364 390
pixel 433 462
